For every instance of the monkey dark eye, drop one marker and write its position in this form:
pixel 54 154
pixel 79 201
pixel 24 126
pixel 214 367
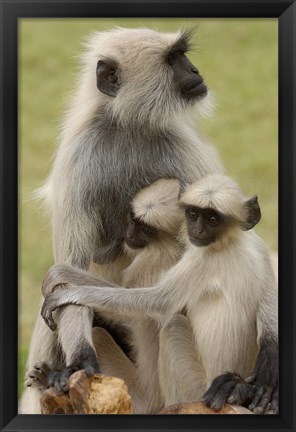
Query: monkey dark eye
pixel 214 220
pixel 193 215
pixel 146 230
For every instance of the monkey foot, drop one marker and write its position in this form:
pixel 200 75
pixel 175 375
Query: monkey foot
pixel 228 388
pixel 60 379
pixel 38 376
pixel 265 401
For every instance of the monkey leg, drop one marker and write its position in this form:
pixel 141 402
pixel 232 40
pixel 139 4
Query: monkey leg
pixel 114 362
pixel 112 359
pixel 182 376
pixel 44 347
pixel 148 399
pixel 74 329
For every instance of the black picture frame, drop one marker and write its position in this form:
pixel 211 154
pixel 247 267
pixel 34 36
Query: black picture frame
pixel 11 11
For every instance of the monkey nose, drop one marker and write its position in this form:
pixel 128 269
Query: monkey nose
pixel 195 71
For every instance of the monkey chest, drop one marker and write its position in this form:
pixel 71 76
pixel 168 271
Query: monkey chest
pixel 224 328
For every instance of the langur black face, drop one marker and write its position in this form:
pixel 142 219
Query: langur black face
pixel 189 83
pixel 138 234
pixel 205 226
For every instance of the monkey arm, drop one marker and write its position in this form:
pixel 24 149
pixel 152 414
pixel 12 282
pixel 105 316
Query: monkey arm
pixel 135 302
pixel 169 296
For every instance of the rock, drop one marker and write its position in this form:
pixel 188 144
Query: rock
pixel 200 408
pixel 52 403
pixel 108 395
pixel 99 394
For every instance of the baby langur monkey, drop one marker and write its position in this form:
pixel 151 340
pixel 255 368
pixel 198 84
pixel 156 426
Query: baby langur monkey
pixel 226 283
pixel 151 244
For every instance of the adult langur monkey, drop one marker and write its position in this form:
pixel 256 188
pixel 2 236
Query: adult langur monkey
pixel 226 283
pixel 125 128
pixel 151 242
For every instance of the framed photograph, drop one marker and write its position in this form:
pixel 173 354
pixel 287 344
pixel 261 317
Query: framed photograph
pixel 241 57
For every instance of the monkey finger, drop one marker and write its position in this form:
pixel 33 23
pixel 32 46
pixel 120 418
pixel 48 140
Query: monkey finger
pixel 242 393
pixel 275 401
pixel 274 405
pixel 56 276
pixel 60 379
pixel 36 379
pixel 63 381
pixel 46 313
pixel 251 378
pixel 221 396
pixel 219 391
pixel 264 402
pixel 42 367
pixel 256 399
pixel 49 321
pixel 90 370
pixel 52 377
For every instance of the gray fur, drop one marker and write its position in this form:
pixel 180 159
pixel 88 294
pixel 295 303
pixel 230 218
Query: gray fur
pixel 133 160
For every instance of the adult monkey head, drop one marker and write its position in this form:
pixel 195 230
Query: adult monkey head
pixel 146 75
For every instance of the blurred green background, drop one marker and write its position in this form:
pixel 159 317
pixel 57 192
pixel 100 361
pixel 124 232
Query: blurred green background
pixel 238 59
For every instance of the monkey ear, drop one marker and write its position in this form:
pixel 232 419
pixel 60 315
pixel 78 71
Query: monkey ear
pixel 107 77
pixel 253 213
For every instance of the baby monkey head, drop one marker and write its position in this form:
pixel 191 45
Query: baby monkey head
pixel 216 210
pixel 155 214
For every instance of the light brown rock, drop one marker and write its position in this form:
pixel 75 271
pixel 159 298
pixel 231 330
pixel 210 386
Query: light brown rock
pixel 108 395
pixel 99 394
pixel 200 408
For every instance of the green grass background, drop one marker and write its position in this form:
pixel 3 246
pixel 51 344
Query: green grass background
pixel 237 57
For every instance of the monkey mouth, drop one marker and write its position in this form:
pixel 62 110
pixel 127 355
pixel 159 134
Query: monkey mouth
pixel 195 90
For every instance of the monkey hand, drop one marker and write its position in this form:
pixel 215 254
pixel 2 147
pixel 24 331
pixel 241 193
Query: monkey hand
pixel 57 276
pixel 228 388
pixel 50 304
pixel 42 377
pixel 37 377
pixel 266 396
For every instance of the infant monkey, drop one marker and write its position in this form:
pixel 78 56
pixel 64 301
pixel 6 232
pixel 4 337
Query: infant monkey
pixel 226 284
pixel 150 241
